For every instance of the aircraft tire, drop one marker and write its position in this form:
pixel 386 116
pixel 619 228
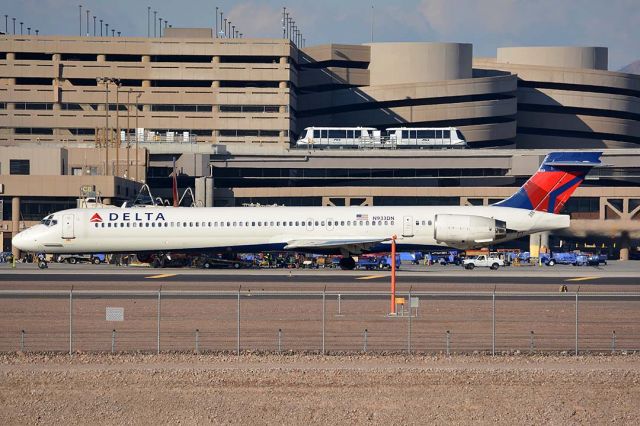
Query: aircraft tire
pixel 72 260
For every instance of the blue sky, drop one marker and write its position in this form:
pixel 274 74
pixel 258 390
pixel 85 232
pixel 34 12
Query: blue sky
pixel 487 24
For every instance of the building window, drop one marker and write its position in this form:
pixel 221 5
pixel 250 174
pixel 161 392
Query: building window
pixel 19 167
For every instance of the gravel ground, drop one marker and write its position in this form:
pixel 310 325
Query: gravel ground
pixel 298 389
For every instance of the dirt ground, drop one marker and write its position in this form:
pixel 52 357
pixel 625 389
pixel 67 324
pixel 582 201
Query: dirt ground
pixel 299 389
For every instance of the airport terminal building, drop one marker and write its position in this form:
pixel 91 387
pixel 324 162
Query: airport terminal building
pixel 232 109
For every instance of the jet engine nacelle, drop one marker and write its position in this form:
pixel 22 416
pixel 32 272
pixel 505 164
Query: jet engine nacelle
pixel 466 231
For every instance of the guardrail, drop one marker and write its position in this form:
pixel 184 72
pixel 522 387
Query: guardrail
pixel 318 321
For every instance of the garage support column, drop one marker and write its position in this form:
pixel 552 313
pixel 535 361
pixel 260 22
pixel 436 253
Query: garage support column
pixel 538 243
pixel 625 244
pixel 15 223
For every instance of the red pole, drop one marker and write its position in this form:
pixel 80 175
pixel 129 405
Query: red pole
pixel 393 275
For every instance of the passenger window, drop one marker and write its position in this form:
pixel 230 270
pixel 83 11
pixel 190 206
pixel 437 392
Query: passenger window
pixel 235 223
pixel 348 223
pixel 290 223
pixel 386 222
pixel 253 224
pixel 228 223
pixel 184 224
pixel 297 223
pixel 392 223
pixel 429 223
pixel 316 223
pixel 240 223
pixel 146 225
pixel 95 225
pixel 259 223
pixel 417 222
pixel 361 223
pixel 278 223
pixel 329 223
pixel 271 223
pixel 342 223
pixel 367 223
pixel 322 223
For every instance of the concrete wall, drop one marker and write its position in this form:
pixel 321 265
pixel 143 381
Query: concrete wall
pixel 400 63
pixel 594 58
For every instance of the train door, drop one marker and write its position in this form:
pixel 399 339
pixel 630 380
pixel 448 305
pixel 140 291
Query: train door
pixel 407 226
pixel 67 226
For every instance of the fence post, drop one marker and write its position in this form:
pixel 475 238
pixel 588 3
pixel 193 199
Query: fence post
pixel 613 342
pixel 238 325
pixel 113 341
pixel 577 321
pixel 324 299
pixel 279 340
pixel 71 320
pixel 409 332
pixel 365 341
pixel 531 342
pixel 22 341
pixel 448 343
pixel 493 323
pixel 339 304
pixel 197 341
pixel 158 320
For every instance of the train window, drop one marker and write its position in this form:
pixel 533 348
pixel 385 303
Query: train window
pixel 412 134
pixel 446 134
pixel 405 134
pixel 337 134
pixel 323 134
pixel 438 134
pixel 316 133
pixel 349 134
pixel 357 133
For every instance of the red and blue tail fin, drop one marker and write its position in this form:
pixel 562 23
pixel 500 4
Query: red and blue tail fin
pixel 555 181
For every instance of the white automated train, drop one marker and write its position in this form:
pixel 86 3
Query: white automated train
pixel 369 137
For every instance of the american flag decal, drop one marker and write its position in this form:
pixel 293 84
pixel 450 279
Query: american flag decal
pixel 362 217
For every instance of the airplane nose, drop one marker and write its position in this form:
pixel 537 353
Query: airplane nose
pixel 23 242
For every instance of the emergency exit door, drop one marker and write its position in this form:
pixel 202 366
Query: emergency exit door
pixel 407 226
pixel 67 226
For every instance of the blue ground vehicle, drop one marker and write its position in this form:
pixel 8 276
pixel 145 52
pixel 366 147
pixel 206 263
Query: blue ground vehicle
pixel 597 259
pixel 370 263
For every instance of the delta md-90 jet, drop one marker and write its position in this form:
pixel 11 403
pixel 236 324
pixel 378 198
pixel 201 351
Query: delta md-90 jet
pixel 153 232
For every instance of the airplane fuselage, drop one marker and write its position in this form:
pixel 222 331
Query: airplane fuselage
pixel 253 229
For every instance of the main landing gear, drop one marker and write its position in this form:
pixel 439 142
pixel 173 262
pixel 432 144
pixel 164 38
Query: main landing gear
pixel 347 263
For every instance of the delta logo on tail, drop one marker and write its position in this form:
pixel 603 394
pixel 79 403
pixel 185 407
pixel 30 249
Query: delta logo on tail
pixel 95 218
pixel 559 175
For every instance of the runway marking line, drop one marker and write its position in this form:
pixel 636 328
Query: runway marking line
pixel 582 279
pixel 370 277
pixel 161 276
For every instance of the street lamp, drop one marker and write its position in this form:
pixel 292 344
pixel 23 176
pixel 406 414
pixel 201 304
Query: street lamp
pixel 137 137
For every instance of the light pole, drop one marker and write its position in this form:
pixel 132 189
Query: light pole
pixel 14 26
pixel 80 8
pixel 221 24
pixel 128 139
pixel 284 13
pixel 107 30
pixel 21 23
pixel 148 21
pixel 225 27
pixel 94 26
pixel 155 17
pixel 137 137
pixel 216 21
pixel 101 28
pixel 160 27
pixel 88 11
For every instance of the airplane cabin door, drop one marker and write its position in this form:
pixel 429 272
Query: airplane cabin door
pixel 67 226
pixel 407 226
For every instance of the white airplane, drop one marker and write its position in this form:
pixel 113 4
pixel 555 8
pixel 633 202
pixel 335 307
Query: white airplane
pixel 156 231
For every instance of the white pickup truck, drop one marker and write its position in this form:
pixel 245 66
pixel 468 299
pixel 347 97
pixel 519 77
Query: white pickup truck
pixel 482 261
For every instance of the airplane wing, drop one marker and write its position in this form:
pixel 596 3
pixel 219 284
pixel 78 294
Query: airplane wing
pixel 351 244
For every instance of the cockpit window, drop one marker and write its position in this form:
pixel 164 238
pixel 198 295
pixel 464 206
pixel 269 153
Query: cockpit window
pixel 49 221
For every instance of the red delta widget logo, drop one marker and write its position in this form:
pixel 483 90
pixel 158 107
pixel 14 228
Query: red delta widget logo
pixel 137 216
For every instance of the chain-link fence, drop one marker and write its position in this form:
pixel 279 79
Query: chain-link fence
pixel 318 322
